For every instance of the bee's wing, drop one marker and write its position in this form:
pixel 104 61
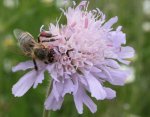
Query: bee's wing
pixel 25 39
pixel 18 33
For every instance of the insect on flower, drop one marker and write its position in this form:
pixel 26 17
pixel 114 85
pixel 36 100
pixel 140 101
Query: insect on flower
pixel 80 57
pixel 36 50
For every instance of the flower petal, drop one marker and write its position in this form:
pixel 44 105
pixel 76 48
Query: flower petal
pixel 75 82
pixel 112 63
pixel 51 103
pixel 114 76
pixel 118 76
pixel 78 99
pixel 78 103
pixel 81 5
pixel 39 79
pixel 118 38
pixel 24 84
pixel 68 87
pixel 81 97
pixel 127 62
pixel 126 52
pixel 52 71
pixel 23 66
pixel 57 89
pixel 95 86
pixel 110 93
pixel 82 80
pixel 89 103
pixel 109 23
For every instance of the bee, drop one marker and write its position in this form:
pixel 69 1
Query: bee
pixel 33 49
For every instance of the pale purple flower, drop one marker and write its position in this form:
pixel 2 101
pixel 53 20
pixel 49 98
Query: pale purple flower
pixel 88 52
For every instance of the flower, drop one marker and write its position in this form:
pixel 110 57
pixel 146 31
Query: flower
pixel 87 54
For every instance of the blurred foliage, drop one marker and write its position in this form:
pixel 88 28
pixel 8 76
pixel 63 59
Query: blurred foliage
pixel 133 100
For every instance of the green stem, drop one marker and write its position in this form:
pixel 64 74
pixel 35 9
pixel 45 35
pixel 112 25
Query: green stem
pixel 46 113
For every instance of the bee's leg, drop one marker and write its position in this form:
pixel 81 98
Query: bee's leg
pixel 35 65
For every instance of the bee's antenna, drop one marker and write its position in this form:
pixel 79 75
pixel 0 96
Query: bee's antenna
pixel 41 28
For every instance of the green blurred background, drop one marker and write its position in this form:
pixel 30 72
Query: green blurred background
pixel 133 100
